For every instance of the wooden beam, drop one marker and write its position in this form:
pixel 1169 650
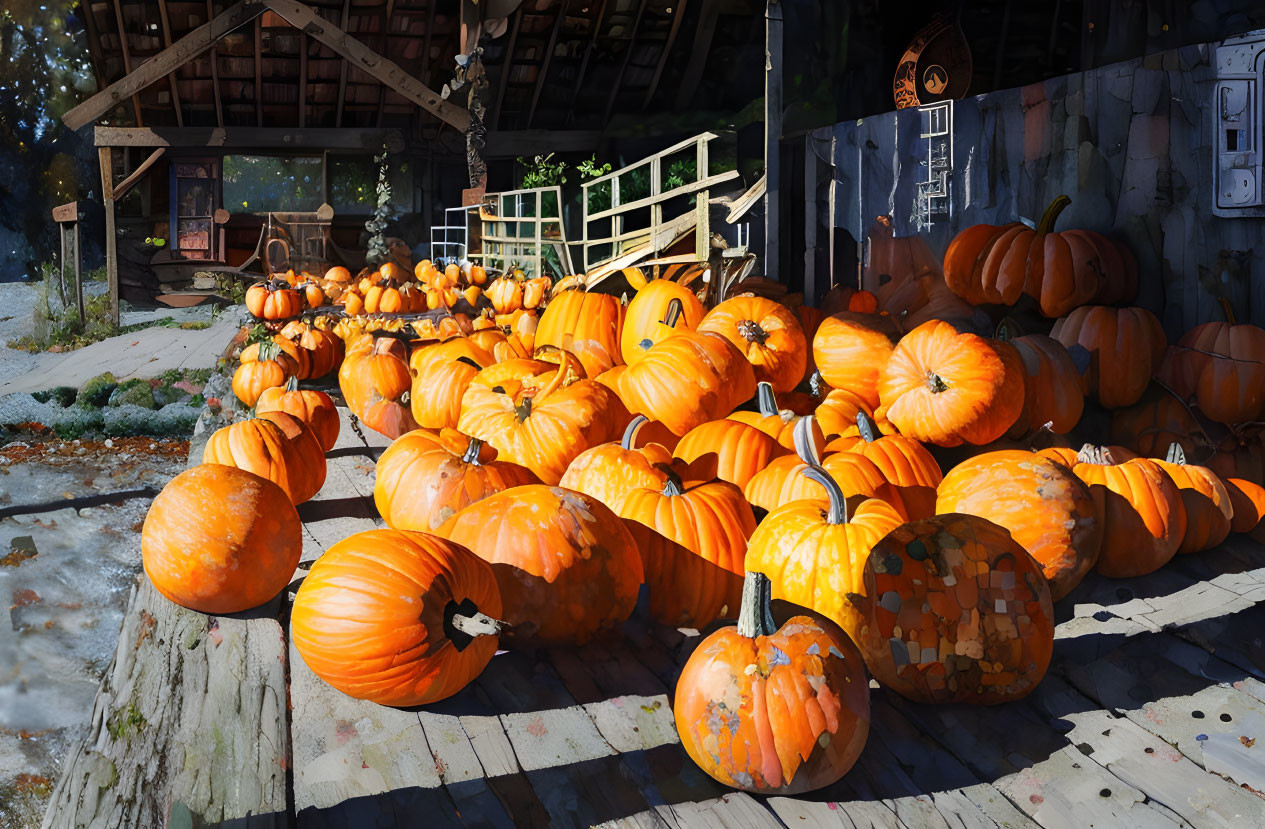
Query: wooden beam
pixel 260 138
pixel 162 64
pixel 772 135
pixel 215 73
pixel 699 50
pixel 623 64
pixel 544 67
pixel 678 15
pixel 120 190
pixel 106 159
pixel 388 72
pixel 382 93
pixel 506 69
pixel 94 42
pixel 342 69
pixel 171 76
pixel 127 61
pixel 584 62
pixel 513 143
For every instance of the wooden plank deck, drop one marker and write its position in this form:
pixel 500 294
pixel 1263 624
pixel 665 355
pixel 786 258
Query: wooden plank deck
pixel 1152 715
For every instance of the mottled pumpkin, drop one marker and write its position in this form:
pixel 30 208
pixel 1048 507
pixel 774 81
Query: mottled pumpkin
pixel 425 477
pixel 1045 507
pixel 956 611
pixel 219 539
pixel 1206 501
pixel 566 566
pixel 768 335
pixel 397 618
pixel 773 710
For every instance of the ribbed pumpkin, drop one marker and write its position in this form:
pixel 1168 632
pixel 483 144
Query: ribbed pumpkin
pixel 1205 499
pixel 376 383
pixel 774 421
pixel 424 478
pixel 904 462
pixel 947 388
pixel 325 351
pixel 773 710
pixel 837 415
pixel 992 264
pixel 1054 388
pixel 1144 520
pixel 850 351
pixel 1068 457
pixel 1156 422
pixel 686 380
pixel 587 325
pixel 658 310
pixel 768 335
pixel 609 471
pixel 219 539
pixel 397 618
pixel 956 611
pixel 1228 361
pixel 315 408
pixel 441 375
pixel 276 446
pixel 740 450
pixel 814 550
pixel 1125 345
pixel 540 414
pixel 253 377
pixel 692 541
pixel 298 361
pixel 566 566
pixel 1248 502
pixel 1045 507
pixel 273 300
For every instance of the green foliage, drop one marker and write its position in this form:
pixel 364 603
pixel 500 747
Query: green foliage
pixel 377 224
pixel 589 168
pixel 136 392
pixel 681 172
pixel 95 391
pixel 126 722
pixel 542 171
pixel 56 316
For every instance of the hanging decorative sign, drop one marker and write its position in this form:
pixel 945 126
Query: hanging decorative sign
pixel 936 65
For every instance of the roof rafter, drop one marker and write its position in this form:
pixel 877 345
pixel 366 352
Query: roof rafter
pixel 171 76
pixel 544 68
pixel 678 15
pixel 127 60
pixel 215 73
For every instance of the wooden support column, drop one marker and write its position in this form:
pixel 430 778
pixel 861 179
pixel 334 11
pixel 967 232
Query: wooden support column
pixel 215 71
pixel 106 159
pixel 772 134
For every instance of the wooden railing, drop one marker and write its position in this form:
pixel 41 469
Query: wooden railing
pixel 503 244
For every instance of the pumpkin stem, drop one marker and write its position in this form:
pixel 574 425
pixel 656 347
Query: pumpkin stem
pixel 751 330
pixel 765 399
pixel 523 409
pixel 1006 331
pixel 1051 215
pixel 672 486
pixel 630 434
pixel 868 428
pixel 673 313
pixel 292 383
pixel 1099 455
pixel 936 383
pixel 817 385
pixel 472 451
pixel 755 614
pixel 838 513
pixel 269 350
pixel 805 446
pixel 1228 310
pixel 1176 454
pixel 468 361
pixel 463 623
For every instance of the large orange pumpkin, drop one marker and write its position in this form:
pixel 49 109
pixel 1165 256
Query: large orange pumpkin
pixel 315 408
pixel 566 566
pixel 1054 388
pixel 837 415
pixel 609 471
pixel 397 618
pixel 850 351
pixel 739 449
pixel 1125 348
pixel 1228 362
pixel 955 611
pixel 774 421
pixel 376 383
pixel 949 388
pixel 1206 501
pixel 253 377
pixel 686 380
pixel 1156 422
pixel 273 300
pixel 219 539
pixel 658 311
pixel 1046 508
pixel 991 264
pixel 424 478
pixel 768 335
pixel 1248 502
pixel 814 550
pixel 276 446
pixel 441 375
pixel 587 325
pixel 773 710
pixel 540 414
pixel 1144 519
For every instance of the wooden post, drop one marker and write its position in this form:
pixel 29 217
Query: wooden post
pixel 61 264
pixel 78 274
pixel 772 134
pixel 111 237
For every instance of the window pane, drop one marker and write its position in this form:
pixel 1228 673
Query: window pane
pixel 353 184
pixel 264 183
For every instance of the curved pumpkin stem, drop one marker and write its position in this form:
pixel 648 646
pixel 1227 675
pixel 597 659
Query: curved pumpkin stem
pixel 1051 215
pixel 522 409
pixel 269 351
pixel 470 362
pixel 472 452
pixel 672 486
pixel 673 313
pixel 751 330
pixel 1099 455
pixel 838 503
pixel 817 385
pixel 1228 310
pixel 292 383
pixel 765 399
pixel 463 623
pixel 805 446
pixel 1176 454
pixel 868 428
pixel 630 434
pixel 755 614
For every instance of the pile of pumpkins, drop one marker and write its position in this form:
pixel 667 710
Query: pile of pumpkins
pixel 877 472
